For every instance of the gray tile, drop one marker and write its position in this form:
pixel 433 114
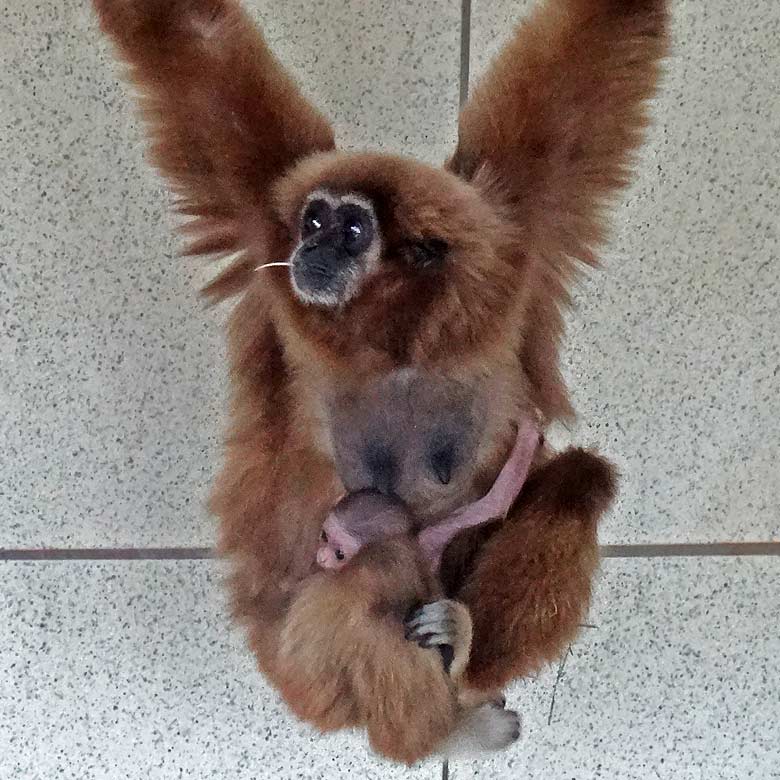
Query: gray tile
pixel 130 670
pixel 674 347
pixel 386 72
pixel 677 680
pixel 111 373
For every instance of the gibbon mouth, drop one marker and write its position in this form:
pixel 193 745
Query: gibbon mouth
pixel 315 280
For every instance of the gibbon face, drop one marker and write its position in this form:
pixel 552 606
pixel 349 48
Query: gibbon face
pixel 391 253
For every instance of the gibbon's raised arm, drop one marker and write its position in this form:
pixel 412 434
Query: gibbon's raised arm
pixel 552 126
pixel 224 118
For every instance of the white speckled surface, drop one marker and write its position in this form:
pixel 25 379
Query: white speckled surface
pixel 112 390
pixel 111 373
pixel 674 349
pixel 131 670
pixel 128 670
pixel 677 681
pixel 385 72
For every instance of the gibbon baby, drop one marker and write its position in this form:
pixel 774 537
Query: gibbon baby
pixel 364 523
pixel 371 530
pixel 398 273
pixel 369 518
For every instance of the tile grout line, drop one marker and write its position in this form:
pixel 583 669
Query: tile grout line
pixel 465 50
pixel 719 549
pixel 109 554
pixel 690 550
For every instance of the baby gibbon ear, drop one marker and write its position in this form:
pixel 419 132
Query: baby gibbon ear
pixel 224 118
pixel 553 124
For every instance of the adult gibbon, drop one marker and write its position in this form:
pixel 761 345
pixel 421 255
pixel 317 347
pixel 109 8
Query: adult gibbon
pixel 449 281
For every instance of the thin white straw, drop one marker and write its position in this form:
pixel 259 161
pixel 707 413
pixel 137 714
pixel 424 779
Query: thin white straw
pixel 268 265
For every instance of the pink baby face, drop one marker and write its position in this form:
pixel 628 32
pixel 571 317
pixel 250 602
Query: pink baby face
pixel 337 546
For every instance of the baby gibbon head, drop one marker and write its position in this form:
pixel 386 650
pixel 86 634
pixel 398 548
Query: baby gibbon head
pixel 356 521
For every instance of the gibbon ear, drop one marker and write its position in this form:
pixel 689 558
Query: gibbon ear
pixel 225 119
pixel 553 125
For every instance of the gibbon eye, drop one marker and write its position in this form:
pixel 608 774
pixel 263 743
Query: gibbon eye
pixel 339 555
pixel 324 536
pixel 428 253
pixel 316 216
pixel 357 228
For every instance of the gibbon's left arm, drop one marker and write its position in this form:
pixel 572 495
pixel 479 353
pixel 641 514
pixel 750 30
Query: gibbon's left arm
pixel 550 134
pixel 551 129
pixel 224 118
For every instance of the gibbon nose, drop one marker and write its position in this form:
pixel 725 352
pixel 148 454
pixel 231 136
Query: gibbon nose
pixel 320 266
pixel 328 247
pixel 322 556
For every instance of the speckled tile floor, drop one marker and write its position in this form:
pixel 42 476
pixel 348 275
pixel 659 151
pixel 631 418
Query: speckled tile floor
pixel 111 384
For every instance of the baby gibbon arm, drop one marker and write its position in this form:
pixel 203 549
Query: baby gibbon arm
pixel 224 117
pixel 494 505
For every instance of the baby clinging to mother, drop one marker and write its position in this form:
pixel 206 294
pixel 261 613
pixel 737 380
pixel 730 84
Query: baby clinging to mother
pixel 399 292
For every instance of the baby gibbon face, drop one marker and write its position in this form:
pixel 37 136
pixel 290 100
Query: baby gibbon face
pixel 391 253
pixel 357 520
pixel 337 547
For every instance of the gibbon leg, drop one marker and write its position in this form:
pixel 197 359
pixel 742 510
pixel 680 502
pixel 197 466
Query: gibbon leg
pixel 531 582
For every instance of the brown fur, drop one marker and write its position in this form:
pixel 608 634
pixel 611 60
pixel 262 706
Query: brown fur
pixel 548 589
pixel 351 610
pixel 368 601
pixel 544 142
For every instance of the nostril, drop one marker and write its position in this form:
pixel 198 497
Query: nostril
pixel 321 256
